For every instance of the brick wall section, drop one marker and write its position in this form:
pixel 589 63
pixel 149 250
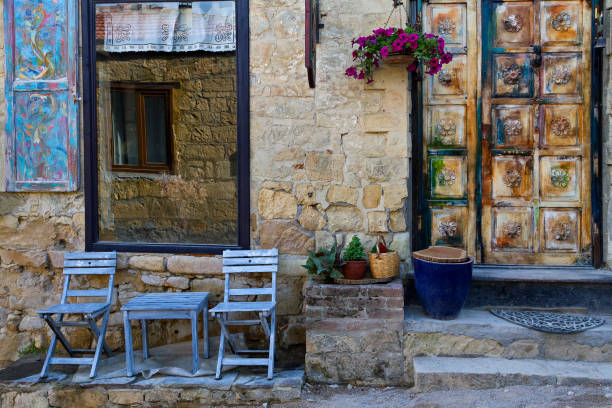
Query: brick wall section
pixel 354 333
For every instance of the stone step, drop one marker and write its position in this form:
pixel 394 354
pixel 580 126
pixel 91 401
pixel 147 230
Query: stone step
pixel 452 373
pixel 478 333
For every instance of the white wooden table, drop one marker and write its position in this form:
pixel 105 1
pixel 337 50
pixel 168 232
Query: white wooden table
pixel 158 306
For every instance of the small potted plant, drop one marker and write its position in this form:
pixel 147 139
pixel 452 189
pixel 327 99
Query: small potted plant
pixel 410 45
pixel 323 264
pixel 384 262
pixel 354 257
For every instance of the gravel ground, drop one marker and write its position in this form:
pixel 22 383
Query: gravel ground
pixel 510 397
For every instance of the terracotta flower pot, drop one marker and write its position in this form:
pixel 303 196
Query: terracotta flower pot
pixel 354 269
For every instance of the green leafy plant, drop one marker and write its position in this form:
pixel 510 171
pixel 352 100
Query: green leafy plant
pixel 324 263
pixel 31 349
pixel 354 250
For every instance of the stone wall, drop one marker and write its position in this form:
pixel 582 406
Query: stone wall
pixel 197 201
pixel 354 334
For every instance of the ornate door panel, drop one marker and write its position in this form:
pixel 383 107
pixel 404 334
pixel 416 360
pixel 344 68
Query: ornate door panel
pixel 535 132
pixel 450 128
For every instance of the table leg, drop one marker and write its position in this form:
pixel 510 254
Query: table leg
pixel 145 340
pixel 206 338
pixel 129 354
pixel 194 340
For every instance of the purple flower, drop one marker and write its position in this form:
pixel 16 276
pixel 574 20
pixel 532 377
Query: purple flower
pixel 355 54
pixel 403 37
pixel 380 31
pixel 384 52
pixel 376 63
pixel 429 36
pixel 412 67
pixel 362 41
pixel 434 61
pixel 397 45
pixel 370 80
pixel 413 37
pixel 447 57
pixel 361 75
pixel 413 45
pixel 351 72
pixel 390 31
pixel 441 42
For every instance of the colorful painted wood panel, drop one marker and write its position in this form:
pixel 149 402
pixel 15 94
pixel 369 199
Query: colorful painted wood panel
pixel 448 226
pixel 42 148
pixel 448 176
pixel 446 126
pixel 536 206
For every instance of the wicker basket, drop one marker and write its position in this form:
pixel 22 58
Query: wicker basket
pixel 384 265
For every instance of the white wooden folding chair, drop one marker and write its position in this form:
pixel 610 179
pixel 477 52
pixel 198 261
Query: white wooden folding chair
pixel 237 262
pixel 81 263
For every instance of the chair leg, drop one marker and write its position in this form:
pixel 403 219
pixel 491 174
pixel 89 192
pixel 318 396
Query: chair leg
pixel 205 330
pixel 264 324
pixel 96 333
pixel 58 333
pixel 272 340
pixel 194 342
pixel 221 346
pixel 129 350
pixel 45 369
pixel 101 342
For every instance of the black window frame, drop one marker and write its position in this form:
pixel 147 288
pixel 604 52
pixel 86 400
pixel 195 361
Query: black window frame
pixel 92 242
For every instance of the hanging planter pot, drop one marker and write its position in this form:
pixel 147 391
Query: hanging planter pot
pixel 401 59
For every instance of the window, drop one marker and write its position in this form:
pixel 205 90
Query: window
pixel 167 115
pixel 141 128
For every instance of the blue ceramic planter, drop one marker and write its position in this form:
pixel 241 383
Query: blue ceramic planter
pixel 442 287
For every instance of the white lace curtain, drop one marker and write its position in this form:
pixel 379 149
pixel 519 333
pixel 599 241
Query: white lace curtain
pixel 169 27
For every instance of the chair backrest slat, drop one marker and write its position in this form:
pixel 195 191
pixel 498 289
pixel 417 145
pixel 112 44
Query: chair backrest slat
pixel 250 261
pixel 89 263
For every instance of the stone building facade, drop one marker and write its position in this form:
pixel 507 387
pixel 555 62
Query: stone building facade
pixel 325 164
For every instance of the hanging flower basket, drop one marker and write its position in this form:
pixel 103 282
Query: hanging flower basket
pixel 407 46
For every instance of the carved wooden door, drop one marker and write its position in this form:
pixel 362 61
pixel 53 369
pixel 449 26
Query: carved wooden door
pixel 506 132
pixel 536 204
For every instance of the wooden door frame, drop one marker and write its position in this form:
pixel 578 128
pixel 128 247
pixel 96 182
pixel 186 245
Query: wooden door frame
pixel 420 232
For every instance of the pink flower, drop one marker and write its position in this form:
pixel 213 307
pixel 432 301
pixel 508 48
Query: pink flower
pixel 362 41
pixel 403 37
pixel 434 61
pixel 355 54
pixel 361 75
pixel 351 72
pixel 390 31
pixel 397 45
pixel 380 31
pixel 384 52
pixel 412 67
pixel 413 37
pixel 429 36
pixel 414 45
pixel 447 57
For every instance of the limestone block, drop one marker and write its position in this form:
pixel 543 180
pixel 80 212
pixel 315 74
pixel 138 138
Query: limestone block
pixel 290 154
pixel 323 166
pixel 201 395
pixel 125 397
pixel 311 219
pixel 401 244
pixel 305 194
pixel 371 196
pixel 147 263
pixel 276 204
pixel 178 282
pixel 56 259
pixel 278 185
pixel 325 239
pixel 214 286
pixel 397 221
pixel 23 258
pixel 377 221
pixel 379 122
pixel 195 265
pixel 289 295
pixel 81 398
pixel 365 144
pixel 394 196
pixel 286 236
pixel 344 218
pixel 36 399
pixel 341 194
pixel 153 280
pixel 29 323
pixel 162 396
pixel 389 168
pixel 291 265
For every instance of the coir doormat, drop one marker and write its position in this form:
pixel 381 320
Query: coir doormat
pixel 549 322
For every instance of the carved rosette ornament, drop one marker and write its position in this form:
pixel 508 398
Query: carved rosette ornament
pixel 559 177
pixel 513 128
pixel 511 74
pixel 561 231
pixel 447 130
pixel 561 22
pixel 447 27
pixel 447 228
pixel 513 177
pixel 446 177
pixel 445 77
pixel 513 23
pixel 560 126
pixel 512 229
pixel 561 75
